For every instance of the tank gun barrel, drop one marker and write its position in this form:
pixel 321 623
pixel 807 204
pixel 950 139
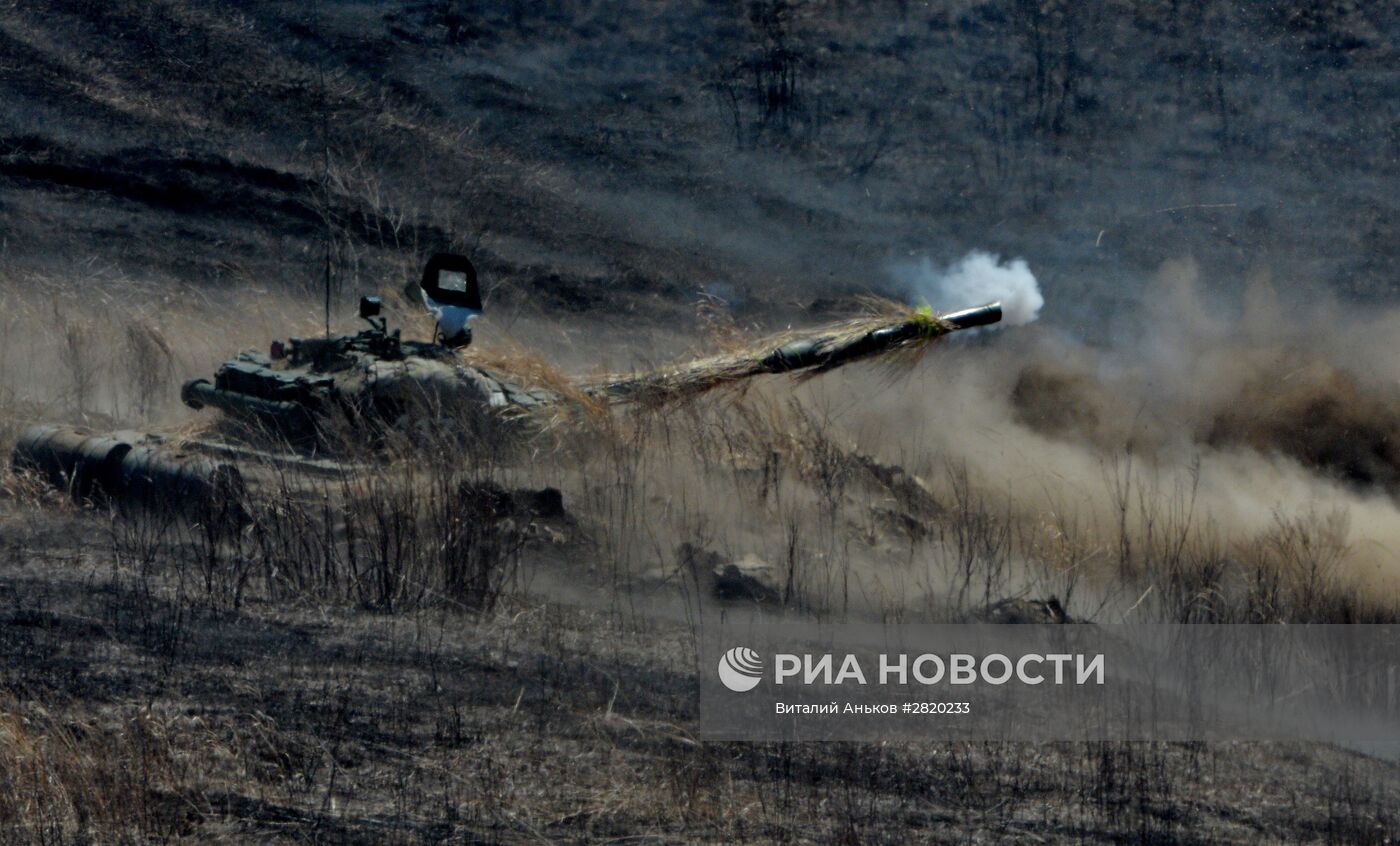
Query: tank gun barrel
pixel 968 318
pixel 827 351
pixel 813 352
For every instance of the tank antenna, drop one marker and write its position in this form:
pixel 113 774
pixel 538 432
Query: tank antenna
pixel 325 167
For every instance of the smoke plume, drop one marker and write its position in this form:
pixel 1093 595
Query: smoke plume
pixel 977 278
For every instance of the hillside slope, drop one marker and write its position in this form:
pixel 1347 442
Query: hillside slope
pixel 605 155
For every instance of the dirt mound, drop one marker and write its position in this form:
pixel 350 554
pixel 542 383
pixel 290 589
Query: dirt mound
pixel 1319 415
pixel 1322 417
pixel 1056 400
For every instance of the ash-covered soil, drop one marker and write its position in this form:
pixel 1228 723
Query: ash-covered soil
pixel 284 722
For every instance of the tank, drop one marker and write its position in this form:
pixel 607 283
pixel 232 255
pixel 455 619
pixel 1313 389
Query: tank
pixel 329 396
pixel 319 394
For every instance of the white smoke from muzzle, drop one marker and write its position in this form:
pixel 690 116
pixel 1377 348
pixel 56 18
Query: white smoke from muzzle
pixel 977 278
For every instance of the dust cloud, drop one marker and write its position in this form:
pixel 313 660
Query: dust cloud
pixel 1227 419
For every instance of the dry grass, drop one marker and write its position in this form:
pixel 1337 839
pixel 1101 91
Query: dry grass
pixel 70 779
pixel 529 369
pixel 541 720
pixel 111 352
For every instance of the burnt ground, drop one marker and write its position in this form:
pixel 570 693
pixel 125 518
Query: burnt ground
pixel 162 718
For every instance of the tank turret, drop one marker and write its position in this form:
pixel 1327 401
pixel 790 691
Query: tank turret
pixel 311 390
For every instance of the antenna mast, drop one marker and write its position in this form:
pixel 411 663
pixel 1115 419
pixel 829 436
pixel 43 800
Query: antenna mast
pixel 325 166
